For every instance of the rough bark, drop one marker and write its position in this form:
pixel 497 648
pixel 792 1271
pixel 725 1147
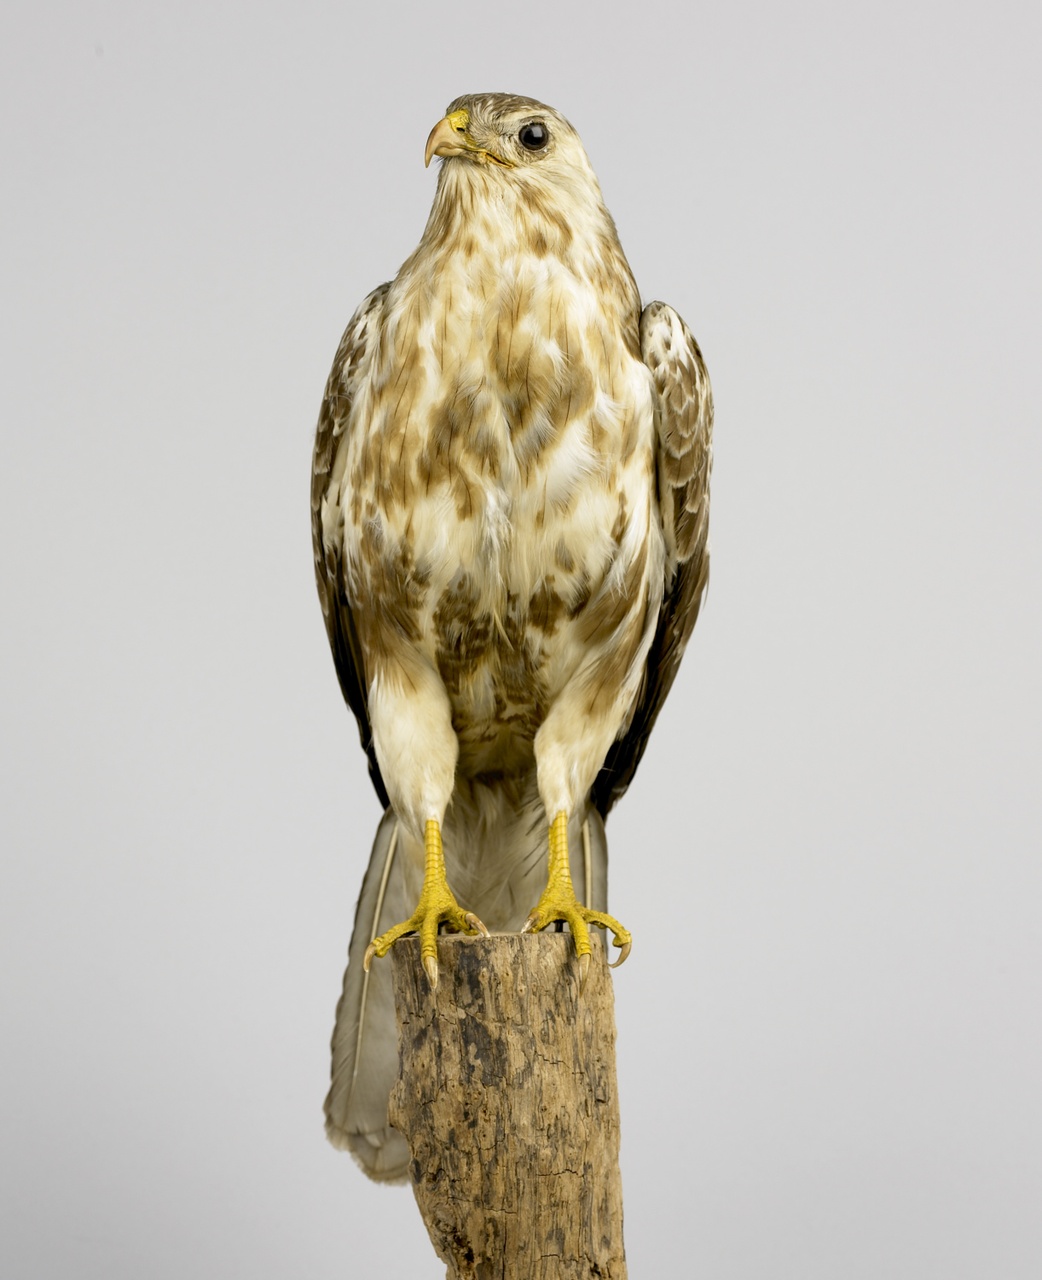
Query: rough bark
pixel 507 1098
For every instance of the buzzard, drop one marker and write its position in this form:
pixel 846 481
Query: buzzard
pixel 510 502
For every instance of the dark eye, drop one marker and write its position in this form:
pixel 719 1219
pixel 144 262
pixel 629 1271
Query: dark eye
pixel 534 136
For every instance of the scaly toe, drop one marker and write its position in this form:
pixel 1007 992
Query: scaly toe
pixel 578 918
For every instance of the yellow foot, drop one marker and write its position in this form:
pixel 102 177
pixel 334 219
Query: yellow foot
pixel 437 906
pixel 558 902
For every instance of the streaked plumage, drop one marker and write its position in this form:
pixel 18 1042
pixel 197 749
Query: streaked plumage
pixel 510 504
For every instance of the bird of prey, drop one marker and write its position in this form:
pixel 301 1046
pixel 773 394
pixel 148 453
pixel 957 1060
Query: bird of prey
pixel 510 502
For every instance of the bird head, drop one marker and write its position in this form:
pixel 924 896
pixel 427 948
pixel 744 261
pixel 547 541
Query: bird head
pixel 504 131
pixel 515 173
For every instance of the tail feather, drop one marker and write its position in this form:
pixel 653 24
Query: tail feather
pixel 365 1036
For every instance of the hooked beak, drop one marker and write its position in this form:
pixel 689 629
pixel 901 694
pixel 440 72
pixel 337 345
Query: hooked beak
pixel 449 137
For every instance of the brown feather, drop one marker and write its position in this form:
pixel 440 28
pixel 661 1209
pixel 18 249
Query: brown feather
pixel 684 418
pixel 329 573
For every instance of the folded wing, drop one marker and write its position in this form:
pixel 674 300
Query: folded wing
pixel 342 390
pixel 684 421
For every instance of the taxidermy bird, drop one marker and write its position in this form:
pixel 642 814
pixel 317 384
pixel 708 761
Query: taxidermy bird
pixel 510 504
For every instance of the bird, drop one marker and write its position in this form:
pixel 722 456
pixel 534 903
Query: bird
pixel 510 511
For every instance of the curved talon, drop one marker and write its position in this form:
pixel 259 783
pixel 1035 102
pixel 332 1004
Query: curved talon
pixel 367 959
pixel 584 971
pixel 475 924
pixel 627 947
pixel 430 966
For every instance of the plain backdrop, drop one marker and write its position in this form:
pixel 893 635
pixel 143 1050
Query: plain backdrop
pixel 829 1045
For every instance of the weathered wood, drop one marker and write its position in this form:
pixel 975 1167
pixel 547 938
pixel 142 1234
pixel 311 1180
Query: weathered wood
pixel 507 1098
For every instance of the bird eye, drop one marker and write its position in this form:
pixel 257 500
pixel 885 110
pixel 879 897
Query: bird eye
pixel 534 136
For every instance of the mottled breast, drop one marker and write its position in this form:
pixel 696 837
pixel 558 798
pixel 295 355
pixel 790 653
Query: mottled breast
pixel 498 502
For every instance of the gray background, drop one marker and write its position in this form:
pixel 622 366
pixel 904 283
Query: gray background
pixel 830 1051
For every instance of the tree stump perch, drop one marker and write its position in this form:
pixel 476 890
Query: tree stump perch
pixel 507 1098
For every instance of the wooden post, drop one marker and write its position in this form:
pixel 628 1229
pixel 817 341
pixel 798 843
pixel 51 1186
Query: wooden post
pixel 507 1098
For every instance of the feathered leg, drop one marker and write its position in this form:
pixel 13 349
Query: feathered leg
pixel 417 749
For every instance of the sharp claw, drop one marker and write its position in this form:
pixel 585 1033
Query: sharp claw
pixel 430 966
pixel 584 971
pixel 529 924
pixel 474 923
pixel 367 959
pixel 627 947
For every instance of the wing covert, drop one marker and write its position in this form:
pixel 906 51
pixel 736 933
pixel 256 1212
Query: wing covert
pixel 684 421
